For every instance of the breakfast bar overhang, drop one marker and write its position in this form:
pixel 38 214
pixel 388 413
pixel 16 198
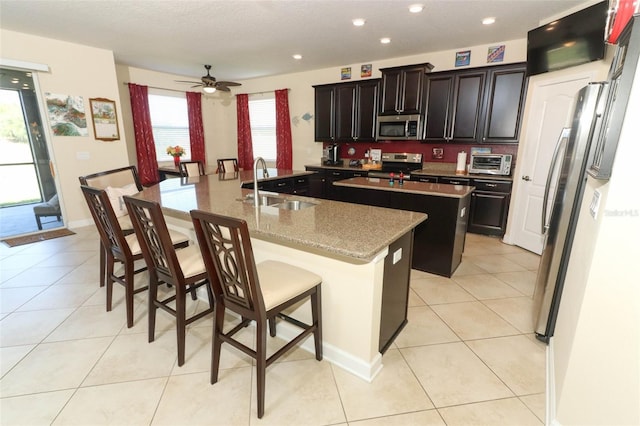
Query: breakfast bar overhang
pixel 362 253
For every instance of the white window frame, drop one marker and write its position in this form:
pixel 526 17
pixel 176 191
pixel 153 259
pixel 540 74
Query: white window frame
pixel 262 115
pixel 174 120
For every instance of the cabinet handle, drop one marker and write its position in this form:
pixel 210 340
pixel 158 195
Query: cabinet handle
pixel 335 173
pixel 491 185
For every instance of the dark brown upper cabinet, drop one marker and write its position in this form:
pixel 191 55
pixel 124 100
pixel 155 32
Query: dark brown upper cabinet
pixel 480 105
pixel 506 90
pixel 402 89
pixel 454 103
pixel 346 112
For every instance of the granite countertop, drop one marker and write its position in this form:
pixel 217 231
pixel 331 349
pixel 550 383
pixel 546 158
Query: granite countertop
pixel 422 188
pixel 353 232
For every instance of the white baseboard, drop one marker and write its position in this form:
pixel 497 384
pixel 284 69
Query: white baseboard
pixel 80 223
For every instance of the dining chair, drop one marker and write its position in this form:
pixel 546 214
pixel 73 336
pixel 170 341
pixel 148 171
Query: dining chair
pixel 191 168
pixel 256 292
pixel 123 179
pixel 119 247
pixel 183 268
pixel 227 165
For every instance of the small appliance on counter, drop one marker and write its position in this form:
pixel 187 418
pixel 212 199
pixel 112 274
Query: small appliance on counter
pixel 490 164
pixel 332 155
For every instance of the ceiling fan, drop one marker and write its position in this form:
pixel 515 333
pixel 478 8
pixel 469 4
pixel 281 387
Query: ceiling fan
pixel 209 83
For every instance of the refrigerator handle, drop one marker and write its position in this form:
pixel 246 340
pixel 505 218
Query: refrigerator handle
pixel 544 225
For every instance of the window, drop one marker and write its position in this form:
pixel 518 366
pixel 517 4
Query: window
pixel 262 115
pixel 170 123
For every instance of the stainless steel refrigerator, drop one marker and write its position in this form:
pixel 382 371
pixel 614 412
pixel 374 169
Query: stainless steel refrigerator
pixel 588 147
pixel 561 203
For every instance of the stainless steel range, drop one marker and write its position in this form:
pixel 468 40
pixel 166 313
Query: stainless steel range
pixel 396 163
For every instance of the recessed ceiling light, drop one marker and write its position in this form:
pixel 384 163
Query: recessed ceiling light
pixel 416 8
pixel 385 40
pixel 358 22
pixel 297 56
pixel 488 21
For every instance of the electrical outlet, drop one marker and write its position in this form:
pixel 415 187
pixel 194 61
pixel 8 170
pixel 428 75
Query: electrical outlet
pixel 397 255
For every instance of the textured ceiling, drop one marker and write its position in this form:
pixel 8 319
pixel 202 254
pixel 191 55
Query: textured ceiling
pixel 247 39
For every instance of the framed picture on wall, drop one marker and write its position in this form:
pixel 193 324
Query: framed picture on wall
pixel 105 119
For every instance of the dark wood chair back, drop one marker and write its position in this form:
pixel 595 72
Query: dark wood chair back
pixel 227 165
pixel 116 178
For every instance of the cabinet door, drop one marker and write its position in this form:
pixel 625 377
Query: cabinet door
pixel 391 87
pixel 410 98
pixel 324 114
pixel 344 120
pixel 439 89
pixel 366 111
pixel 488 213
pixel 467 104
pixel 505 100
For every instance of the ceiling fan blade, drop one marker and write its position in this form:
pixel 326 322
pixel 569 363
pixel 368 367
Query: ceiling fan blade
pixel 197 85
pixel 223 88
pixel 184 81
pixel 229 83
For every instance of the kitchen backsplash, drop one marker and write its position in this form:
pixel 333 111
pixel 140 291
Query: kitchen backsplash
pixel 449 152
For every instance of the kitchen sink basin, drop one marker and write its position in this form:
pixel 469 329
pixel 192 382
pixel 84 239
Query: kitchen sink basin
pixel 279 202
pixel 294 205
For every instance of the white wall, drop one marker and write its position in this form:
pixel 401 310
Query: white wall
pixel 81 71
pixel 597 337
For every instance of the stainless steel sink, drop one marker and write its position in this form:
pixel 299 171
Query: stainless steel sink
pixel 278 202
pixel 294 205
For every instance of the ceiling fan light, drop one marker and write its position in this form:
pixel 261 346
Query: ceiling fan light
pixel 209 89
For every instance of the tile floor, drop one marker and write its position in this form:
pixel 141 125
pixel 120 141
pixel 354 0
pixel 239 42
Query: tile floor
pixel 467 355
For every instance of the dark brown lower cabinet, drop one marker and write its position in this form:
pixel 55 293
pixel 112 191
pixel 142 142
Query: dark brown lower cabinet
pixel 489 207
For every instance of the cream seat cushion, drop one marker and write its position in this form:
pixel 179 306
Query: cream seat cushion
pixel 280 281
pixel 190 259
pixel 134 244
pixel 115 196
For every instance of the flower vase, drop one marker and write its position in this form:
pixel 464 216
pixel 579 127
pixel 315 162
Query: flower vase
pixel 176 161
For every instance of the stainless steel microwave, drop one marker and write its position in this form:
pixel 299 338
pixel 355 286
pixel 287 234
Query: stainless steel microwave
pixel 399 127
pixel 490 164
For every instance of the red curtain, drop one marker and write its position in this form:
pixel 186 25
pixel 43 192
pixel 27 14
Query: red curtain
pixel 196 130
pixel 145 146
pixel 284 154
pixel 245 147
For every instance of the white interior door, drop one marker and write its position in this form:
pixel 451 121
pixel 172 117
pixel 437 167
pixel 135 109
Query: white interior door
pixel 550 109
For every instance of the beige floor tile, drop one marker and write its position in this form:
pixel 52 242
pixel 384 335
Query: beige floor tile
pixel 485 286
pixel 75 258
pixel 11 355
pixel 395 390
pixel 14 297
pixel 132 403
pixel 518 361
pixel 35 276
pixel 190 399
pixel 504 412
pixel 7 273
pixel 523 281
pixel 299 393
pixel 83 274
pixel 25 261
pixel 452 374
pixel 495 263
pixel 529 260
pixel 23 328
pixel 518 311
pixel 414 299
pixel 536 404
pixel 132 357
pixel 424 327
pixel 467 268
pixel 422 418
pixel 473 320
pixel 36 409
pixel 440 290
pixel 60 296
pixel 54 366
pixel 90 321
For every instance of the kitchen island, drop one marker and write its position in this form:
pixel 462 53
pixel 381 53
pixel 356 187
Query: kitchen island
pixel 439 241
pixel 361 252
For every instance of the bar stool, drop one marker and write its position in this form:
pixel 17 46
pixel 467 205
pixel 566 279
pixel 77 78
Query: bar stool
pixel 256 292
pixel 183 269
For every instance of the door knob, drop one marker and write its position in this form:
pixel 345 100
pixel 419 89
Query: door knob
pixel 527 178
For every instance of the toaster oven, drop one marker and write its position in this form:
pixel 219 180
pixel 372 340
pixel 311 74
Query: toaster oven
pixel 490 164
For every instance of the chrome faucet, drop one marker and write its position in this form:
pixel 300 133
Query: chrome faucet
pixel 265 173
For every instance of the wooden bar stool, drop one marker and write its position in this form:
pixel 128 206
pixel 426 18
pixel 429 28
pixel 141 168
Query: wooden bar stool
pixel 183 269
pixel 257 293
